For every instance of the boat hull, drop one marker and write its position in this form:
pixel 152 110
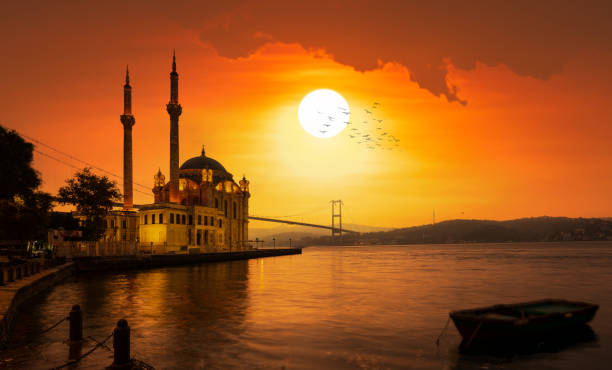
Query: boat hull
pixel 530 320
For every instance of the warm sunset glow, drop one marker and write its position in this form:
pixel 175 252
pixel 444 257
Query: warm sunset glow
pixel 324 113
pixel 522 132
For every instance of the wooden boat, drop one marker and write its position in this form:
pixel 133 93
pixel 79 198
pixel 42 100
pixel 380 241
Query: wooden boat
pixel 529 320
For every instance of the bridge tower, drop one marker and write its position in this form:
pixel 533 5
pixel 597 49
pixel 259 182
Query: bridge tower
pixel 336 214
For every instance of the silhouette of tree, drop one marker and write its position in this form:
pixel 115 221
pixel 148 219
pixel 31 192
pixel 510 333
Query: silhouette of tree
pixel 93 196
pixel 23 209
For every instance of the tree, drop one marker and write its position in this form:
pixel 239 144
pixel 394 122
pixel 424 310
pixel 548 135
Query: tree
pixel 23 208
pixel 93 197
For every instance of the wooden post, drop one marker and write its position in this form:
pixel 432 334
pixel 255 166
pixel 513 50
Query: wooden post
pixel 76 323
pixel 121 343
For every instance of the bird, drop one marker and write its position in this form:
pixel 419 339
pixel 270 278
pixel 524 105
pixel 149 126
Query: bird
pixel 326 124
pixel 365 121
pixel 376 104
pixel 348 122
pixel 322 131
pixel 354 129
pixel 367 111
pixel 379 120
pixel 347 113
pixel 351 136
pixel 383 134
pixel 331 118
pixel 378 128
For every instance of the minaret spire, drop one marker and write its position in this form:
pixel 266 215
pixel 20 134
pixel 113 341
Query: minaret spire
pixel 128 121
pixel 173 61
pixel 174 110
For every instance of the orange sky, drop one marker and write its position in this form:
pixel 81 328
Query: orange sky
pixel 527 143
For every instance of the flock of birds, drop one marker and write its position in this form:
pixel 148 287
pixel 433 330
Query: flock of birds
pixel 371 134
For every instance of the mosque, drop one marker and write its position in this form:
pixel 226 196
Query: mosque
pixel 199 209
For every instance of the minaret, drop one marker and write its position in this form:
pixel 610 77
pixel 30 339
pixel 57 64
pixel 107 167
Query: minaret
pixel 174 110
pixel 127 119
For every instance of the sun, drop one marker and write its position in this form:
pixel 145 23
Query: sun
pixel 323 113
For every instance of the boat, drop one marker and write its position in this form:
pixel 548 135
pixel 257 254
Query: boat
pixel 522 321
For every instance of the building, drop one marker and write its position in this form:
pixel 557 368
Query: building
pixel 199 209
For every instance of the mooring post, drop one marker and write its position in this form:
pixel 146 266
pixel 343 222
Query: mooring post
pixel 76 323
pixel 121 343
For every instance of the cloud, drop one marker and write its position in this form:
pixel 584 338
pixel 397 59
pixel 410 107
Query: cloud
pixel 531 38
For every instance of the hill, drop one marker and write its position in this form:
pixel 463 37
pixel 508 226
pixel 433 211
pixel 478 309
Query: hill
pixel 484 231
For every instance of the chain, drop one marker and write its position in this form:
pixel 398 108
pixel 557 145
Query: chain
pixel 72 362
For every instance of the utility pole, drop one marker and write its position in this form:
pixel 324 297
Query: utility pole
pixel 337 215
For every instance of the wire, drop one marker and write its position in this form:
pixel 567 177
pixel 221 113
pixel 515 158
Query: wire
pixel 78 168
pixel 77 159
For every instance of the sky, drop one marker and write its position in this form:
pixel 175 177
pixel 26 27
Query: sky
pixel 501 109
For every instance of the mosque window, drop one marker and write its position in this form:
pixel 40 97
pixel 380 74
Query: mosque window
pixel 145 219
pixel 112 224
pixel 171 218
pixel 161 218
pixel 216 202
pixel 199 219
pixel 220 223
pixel 183 219
pixel 124 224
pixel 212 221
pixel 205 220
pixel 152 218
pixel 205 236
pixel 234 209
pixel 225 208
pixel 190 219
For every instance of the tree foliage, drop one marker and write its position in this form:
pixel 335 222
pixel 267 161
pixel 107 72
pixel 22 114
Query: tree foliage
pixel 93 196
pixel 23 208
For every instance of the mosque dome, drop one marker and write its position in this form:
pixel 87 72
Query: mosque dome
pixel 202 162
pixel 192 169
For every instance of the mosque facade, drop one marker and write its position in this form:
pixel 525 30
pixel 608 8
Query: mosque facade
pixel 200 208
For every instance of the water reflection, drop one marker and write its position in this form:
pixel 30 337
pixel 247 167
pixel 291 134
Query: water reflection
pixel 340 308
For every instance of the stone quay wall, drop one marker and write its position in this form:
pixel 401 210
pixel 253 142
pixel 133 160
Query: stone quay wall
pixel 123 263
pixel 15 293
